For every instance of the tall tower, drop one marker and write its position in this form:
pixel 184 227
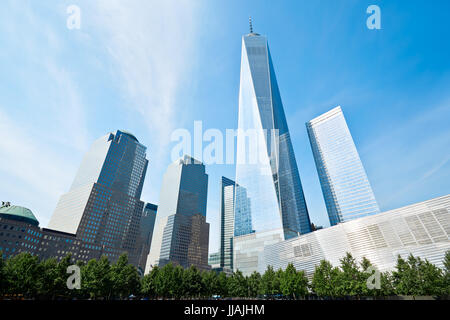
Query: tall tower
pixel 266 165
pixel 345 186
pixel 103 206
pixel 181 234
pixel 226 222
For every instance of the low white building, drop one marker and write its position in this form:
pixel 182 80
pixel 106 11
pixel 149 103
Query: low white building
pixel 422 229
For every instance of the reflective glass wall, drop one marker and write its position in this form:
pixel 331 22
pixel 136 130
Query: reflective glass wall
pixel 266 165
pixel 345 186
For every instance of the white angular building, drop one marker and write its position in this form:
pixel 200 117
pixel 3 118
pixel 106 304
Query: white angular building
pixel 421 229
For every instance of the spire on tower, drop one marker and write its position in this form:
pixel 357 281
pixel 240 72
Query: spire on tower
pixel 251 26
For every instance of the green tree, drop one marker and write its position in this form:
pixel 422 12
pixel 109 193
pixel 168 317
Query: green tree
pixel 222 285
pixel 2 275
pixel 237 285
pixel 293 283
pixel 254 283
pixel 22 273
pixel 270 284
pixel 387 286
pixel 60 282
pixel 124 277
pixel 148 287
pixel 417 277
pixel 192 285
pixel 47 274
pixel 446 290
pixel 349 280
pixel 325 279
pixel 168 282
pixel 96 278
pixel 210 283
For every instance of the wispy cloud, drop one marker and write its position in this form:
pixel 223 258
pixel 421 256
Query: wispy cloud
pixel 152 45
pixel 43 118
pixel 32 173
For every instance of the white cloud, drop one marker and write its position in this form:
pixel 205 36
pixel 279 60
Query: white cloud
pixel 152 45
pixel 36 173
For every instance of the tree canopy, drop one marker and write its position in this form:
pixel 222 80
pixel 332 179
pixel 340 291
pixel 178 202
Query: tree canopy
pixel 25 275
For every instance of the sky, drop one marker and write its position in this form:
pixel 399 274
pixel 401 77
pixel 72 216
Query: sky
pixel 150 67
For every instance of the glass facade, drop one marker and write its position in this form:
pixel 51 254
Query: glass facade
pixel 145 234
pixel 226 223
pixel 421 229
pixel 181 234
pixel 266 165
pixel 345 186
pixel 103 205
pixel 233 222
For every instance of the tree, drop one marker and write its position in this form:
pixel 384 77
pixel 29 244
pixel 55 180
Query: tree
pixel 349 281
pixel 325 279
pixel 446 280
pixel 386 287
pixel 237 285
pixel 222 284
pixel 168 281
pixel 269 282
pixel 192 285
pixel 47 275
pixel 2 275
pixel 293 284
pixel 96 278
pixel 125 278
pixel 22 274
pixel 254 282
pixel 417 277
pixel 148 287
pixel 210 283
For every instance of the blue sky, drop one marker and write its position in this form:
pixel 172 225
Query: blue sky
pixel 151 67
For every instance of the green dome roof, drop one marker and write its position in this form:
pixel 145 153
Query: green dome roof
pixel 19 214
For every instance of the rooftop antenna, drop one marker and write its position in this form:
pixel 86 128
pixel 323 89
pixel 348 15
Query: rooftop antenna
pixel 251 26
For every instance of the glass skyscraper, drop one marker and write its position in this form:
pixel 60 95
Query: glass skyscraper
pixel 181 233
pixel 345 186
pixel 266 165
pixel 226 223
pixel 103 206
pixel 233 222
pixel 145 234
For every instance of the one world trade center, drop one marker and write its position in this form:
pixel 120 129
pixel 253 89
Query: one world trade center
pixel 266 165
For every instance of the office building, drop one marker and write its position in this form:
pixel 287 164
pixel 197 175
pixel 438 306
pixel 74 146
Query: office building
pixel 103 206
pixel 181 234
pixel 214 260
pixel 266 166
pixel 233 222
pixel 145 234
pixel 226 222
pixel 345 186
pixel 20 232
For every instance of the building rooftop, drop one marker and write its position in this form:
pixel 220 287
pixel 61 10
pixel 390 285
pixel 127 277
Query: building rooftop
pixel 18 213
pixel 129 134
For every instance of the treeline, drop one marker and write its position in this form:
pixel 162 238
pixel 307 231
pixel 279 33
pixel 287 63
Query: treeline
pixel 25 276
